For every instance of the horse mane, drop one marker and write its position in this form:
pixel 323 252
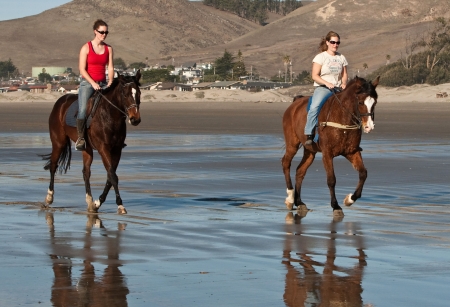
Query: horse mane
pixel 119 80
pixel 363 86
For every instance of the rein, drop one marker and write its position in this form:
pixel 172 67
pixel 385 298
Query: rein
pixel 355 119
pixel 134 105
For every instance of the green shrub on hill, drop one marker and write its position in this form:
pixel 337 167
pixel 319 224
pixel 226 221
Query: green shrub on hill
pixel 431 65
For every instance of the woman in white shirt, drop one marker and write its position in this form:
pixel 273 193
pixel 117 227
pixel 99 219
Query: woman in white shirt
pixel 329 72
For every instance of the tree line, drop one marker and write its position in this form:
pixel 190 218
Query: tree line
pixel 8 69
pixel 255 10
pixel 425 59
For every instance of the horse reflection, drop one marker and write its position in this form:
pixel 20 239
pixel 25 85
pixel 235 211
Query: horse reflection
pixel 109 289
pixel 312 281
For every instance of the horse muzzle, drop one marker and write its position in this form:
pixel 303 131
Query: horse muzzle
pixel 368 126
pixel 135 121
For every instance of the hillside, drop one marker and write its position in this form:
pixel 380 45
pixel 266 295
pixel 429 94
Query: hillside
pixel 369 31
pixel 186 31
pixel 138 29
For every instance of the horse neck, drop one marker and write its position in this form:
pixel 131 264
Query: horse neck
pixel 343 105
pixel 113 97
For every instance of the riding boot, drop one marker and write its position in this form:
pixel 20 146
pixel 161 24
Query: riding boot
pixel 309 139
pixel 80 144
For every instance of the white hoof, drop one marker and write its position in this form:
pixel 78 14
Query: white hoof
pixel 90 204
pixel 348 201
pixel 97 203
pixel 289 206
pixel 289 201
pixel 121 210
pixel 49 197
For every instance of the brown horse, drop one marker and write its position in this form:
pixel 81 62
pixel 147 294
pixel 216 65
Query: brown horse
pixel 342 119
pixel 106 134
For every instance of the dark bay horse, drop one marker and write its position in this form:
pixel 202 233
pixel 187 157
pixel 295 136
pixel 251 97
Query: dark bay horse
pixel 342 119
pixel 106 134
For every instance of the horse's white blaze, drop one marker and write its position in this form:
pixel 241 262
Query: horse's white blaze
pixel 370 125
pixel 133 91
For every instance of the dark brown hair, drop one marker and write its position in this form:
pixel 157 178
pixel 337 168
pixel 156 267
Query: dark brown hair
pixel 323 43
pixel 98 23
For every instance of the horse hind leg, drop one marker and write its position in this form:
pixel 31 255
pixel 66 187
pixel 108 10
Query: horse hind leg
pixel 302 168
pixel 286 164
pixel 59 159
pixel 358 165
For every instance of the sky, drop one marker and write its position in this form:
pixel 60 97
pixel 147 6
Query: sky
pixel 12 9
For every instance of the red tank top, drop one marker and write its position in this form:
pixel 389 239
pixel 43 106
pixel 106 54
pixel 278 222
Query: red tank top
pixel 96 63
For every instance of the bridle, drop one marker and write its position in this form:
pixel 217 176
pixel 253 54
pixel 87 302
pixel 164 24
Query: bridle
pixel 356 119
pixel 125 113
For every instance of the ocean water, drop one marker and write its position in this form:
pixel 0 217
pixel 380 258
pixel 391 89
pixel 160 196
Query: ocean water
pixel 207 224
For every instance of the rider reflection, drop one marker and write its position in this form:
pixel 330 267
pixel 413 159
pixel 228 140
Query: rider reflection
pixel 109 289
pixel 312 281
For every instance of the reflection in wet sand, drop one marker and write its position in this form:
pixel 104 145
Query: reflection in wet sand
pixel 109 289
pixel 311 281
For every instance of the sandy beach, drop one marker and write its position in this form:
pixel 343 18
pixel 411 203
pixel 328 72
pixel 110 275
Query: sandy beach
pixel 207 225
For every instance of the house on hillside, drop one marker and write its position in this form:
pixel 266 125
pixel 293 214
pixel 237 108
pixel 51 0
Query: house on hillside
pixel 165 86
pixel 149 86
pixel 202 86
pixel 224 85
pixel 182 87
pixel 68 88
pixel 37 88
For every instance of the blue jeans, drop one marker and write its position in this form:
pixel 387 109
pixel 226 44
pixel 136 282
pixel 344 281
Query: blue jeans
pixel 320 94
pixel 84 93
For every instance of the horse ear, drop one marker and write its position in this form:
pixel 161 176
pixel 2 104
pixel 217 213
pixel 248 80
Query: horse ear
pixel 375 83
pixel 138 75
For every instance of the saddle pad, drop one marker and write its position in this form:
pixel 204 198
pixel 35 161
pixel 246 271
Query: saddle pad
pixel 71 115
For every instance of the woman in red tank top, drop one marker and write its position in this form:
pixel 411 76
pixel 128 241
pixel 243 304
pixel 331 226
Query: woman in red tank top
pixel 95 56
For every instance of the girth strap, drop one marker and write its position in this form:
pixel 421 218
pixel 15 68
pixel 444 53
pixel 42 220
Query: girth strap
pixel 340 126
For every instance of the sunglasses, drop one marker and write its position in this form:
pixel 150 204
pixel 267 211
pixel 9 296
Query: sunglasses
pixel 102 32
pixel 331 42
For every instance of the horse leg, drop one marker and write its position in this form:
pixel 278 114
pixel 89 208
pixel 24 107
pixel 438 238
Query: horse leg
pixel 331 181
pixel 358 165
pixel 307 160
pixel 111 162
pixel 291 150
pixel 87 162
pixel 60 154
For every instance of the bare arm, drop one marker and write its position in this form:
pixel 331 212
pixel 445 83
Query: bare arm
pixel 82 65
pixel 344 77
pixel 315 74
pixel 110 66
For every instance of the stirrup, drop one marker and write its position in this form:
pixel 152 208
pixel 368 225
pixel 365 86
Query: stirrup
pixel 309 139
pixel 80 144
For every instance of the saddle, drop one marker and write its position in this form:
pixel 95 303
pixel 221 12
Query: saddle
pixel 72 111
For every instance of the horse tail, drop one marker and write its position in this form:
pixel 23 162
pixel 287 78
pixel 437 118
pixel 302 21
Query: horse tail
pixel 63 160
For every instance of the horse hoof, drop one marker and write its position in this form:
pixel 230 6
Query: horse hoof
pixel 121 210
pixel 49 197
pixel 302 208
pixel 338 213
pixel 92 209
pixel 289 206
pixel 348 201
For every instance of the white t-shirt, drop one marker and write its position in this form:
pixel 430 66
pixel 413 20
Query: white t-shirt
pixel 332 67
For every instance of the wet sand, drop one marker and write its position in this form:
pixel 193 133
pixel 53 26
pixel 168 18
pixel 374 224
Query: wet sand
pixel 207 225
